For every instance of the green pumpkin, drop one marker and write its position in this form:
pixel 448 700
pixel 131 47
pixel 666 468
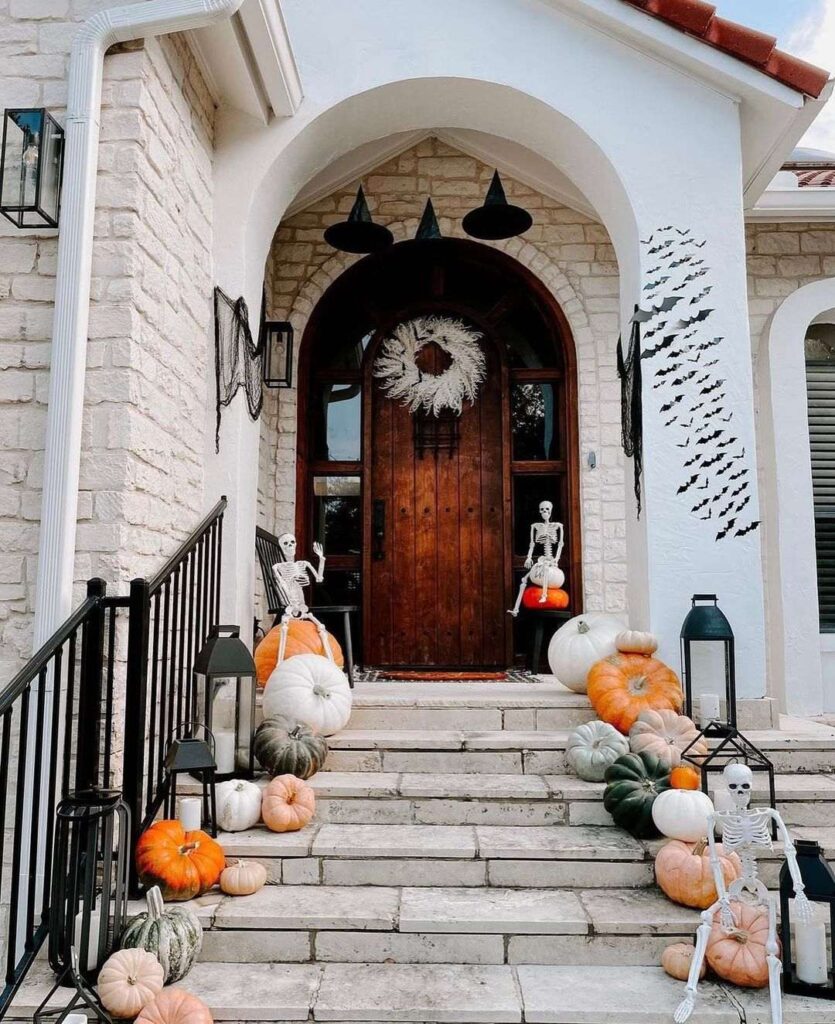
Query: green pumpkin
pixel 286 747
pixel 633 782
pixel 174 935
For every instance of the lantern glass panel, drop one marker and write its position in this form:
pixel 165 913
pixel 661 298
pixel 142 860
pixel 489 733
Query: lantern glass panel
pixel 278 354
pixel 31 168
pixel 707 676
pixel 808 952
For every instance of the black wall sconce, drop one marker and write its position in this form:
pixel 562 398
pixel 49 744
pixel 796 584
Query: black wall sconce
pixel 277 348
pixel 31 162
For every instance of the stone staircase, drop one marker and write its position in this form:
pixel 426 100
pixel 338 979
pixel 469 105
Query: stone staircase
pixel 456 872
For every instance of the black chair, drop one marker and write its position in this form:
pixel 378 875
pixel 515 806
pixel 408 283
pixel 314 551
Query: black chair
pixel 268 551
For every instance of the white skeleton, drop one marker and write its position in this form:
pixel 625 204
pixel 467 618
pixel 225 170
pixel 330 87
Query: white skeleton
pixel 545 572
pixel 291 578
pixel 744 832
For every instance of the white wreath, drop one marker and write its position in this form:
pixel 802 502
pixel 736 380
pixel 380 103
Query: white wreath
pixel 402 379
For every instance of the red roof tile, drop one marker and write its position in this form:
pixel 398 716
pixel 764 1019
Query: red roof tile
pixel 699 19
pixel 820 178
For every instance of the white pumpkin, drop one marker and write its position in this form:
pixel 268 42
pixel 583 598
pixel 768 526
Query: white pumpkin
pixel 578 644
pixel 553 574
pixel 592 747
pixel 238 805
pixel 636 641
pixel 682 814
pixel 242 877
pixel 311 689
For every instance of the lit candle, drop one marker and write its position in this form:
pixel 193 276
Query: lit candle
pixel 810 962
pixel 191 813
pixel 225 752
pixel 708 708
pixel 92 957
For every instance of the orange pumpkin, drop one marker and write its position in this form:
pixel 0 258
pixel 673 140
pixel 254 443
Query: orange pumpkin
pixel 302 638
pixel 683 871
pixel 556 599
pixel 287 804
pixel 183 864
pixel 622 686
pixel 685 776
pixel 175 1006
pixel 741 957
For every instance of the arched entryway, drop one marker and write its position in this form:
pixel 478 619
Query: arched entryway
pixel 426 522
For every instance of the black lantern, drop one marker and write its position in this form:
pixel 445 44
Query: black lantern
pixel 277 346
pixel 89 892
pixel 359 233
pixel 708 666
pixel 224 699
pixel 497 218
pixel 808 957
pixel 30 168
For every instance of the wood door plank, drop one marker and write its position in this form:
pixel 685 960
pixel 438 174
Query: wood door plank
pixel 448 557
pixel 469 516
pixel 492 520
pixel 403 538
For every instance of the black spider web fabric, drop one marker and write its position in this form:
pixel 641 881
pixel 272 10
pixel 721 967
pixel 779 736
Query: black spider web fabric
pixel 631 420
pixel 238 360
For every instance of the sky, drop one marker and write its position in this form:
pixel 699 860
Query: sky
pixel 806 28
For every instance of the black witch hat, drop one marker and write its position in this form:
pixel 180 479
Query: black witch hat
pixel 359 233
pixel 428 227
pixel 497 218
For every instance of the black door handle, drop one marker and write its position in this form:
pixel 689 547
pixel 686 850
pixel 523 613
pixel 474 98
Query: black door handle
pixel 378 526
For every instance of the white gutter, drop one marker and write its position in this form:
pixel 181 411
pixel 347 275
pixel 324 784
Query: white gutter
pixel 59 508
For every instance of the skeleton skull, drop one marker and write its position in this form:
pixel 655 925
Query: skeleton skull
pixel 287 543
pixel 545 510
pixel 738 779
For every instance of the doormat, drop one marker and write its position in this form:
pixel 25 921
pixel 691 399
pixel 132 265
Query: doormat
pixel 509 676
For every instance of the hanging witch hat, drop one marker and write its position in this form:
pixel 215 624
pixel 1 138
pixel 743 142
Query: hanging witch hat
pixel 359 233
pixel 428 227
pixel 497 218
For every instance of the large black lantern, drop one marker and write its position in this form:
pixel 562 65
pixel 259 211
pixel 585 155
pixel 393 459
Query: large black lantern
pixel 30 168
pixel 224 699
pixel 277 346
pixel 808 955
pixel 708 666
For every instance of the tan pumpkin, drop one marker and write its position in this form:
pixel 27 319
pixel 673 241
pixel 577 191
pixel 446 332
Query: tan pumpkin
pixel 175 1006
pixel 666 734
pixel 302 638
pixel 129 980
pixel 741 957
pixel 288 804
pixel 634 641
pixel 677 958
pixel 242 877
pixel 684 874
pixel 622 686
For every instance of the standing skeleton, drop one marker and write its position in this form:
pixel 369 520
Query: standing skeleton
pixel 744 832
pixel 545 572
pixel 291 578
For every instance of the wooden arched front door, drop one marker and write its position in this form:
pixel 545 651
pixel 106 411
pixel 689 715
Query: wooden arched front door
pixel 425 523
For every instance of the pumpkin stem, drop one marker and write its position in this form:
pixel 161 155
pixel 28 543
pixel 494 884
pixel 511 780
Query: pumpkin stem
pixel 155 903
pixel 188 847
pixel 700 847
pixel 583 626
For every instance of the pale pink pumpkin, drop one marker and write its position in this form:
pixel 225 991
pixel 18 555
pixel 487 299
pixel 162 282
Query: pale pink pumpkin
pixel 287 804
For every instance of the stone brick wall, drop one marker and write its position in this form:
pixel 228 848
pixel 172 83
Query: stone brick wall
pixel 567 250
pixel 149 337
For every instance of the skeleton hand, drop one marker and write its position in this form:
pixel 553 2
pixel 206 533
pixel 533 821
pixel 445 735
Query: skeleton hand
pixel 803 908
pixel 726 917
pixel 318 550
pixel 684 1009
pixel 529 563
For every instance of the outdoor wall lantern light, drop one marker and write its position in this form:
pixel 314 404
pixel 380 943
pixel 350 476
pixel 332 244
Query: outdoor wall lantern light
pixel 708 666
pixel 30 168
pixel 277 347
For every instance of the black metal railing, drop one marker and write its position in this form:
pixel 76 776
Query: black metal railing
pixel 58 728
pixel 170 619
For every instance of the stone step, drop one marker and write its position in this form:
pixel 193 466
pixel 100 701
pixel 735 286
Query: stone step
pixel 380 924
pixel 562 856
pixel 805 747
pixel 516 799
pixel 454 993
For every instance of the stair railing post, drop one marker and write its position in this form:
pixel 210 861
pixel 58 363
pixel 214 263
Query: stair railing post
pixel 90 690
pixel 136 703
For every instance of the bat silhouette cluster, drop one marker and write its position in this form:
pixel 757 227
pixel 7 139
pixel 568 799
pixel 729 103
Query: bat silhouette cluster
pixel 680 354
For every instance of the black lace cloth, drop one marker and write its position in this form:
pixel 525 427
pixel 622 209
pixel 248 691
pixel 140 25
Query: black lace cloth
pixel 238 359
pixel 631 422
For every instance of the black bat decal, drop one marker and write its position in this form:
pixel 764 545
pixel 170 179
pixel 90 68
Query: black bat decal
pixel 711 388
pixel 681 262
pixel 702 294
pixel 661 247
pixel 656 284
pixel 724 533
pixel 685 445
pixel 672 404
pixel 703 314
pixel 701 505
pixel 667 341
pixel 642 315
pixel 748 529
pixel 711 437
pixel 688 485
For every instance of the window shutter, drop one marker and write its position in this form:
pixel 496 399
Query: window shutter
pixel 820 384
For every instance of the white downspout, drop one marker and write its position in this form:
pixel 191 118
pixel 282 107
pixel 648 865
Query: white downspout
pixel 62 457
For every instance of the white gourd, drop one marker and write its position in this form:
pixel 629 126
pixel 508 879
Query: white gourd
pixel 310 689
pixel 238 805
pixel 682 814
pixel 592 747
pixel 578 644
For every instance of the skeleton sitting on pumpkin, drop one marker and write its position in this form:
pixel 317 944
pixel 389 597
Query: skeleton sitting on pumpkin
pixel 745 831
pixel 545 572
pixel 291 578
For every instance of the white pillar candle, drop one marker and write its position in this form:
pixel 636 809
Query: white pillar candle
pixel 810 959
pixel 191 813
pixel 92 952
pixel 708 708
pixel 225 752
pixel 76 1018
